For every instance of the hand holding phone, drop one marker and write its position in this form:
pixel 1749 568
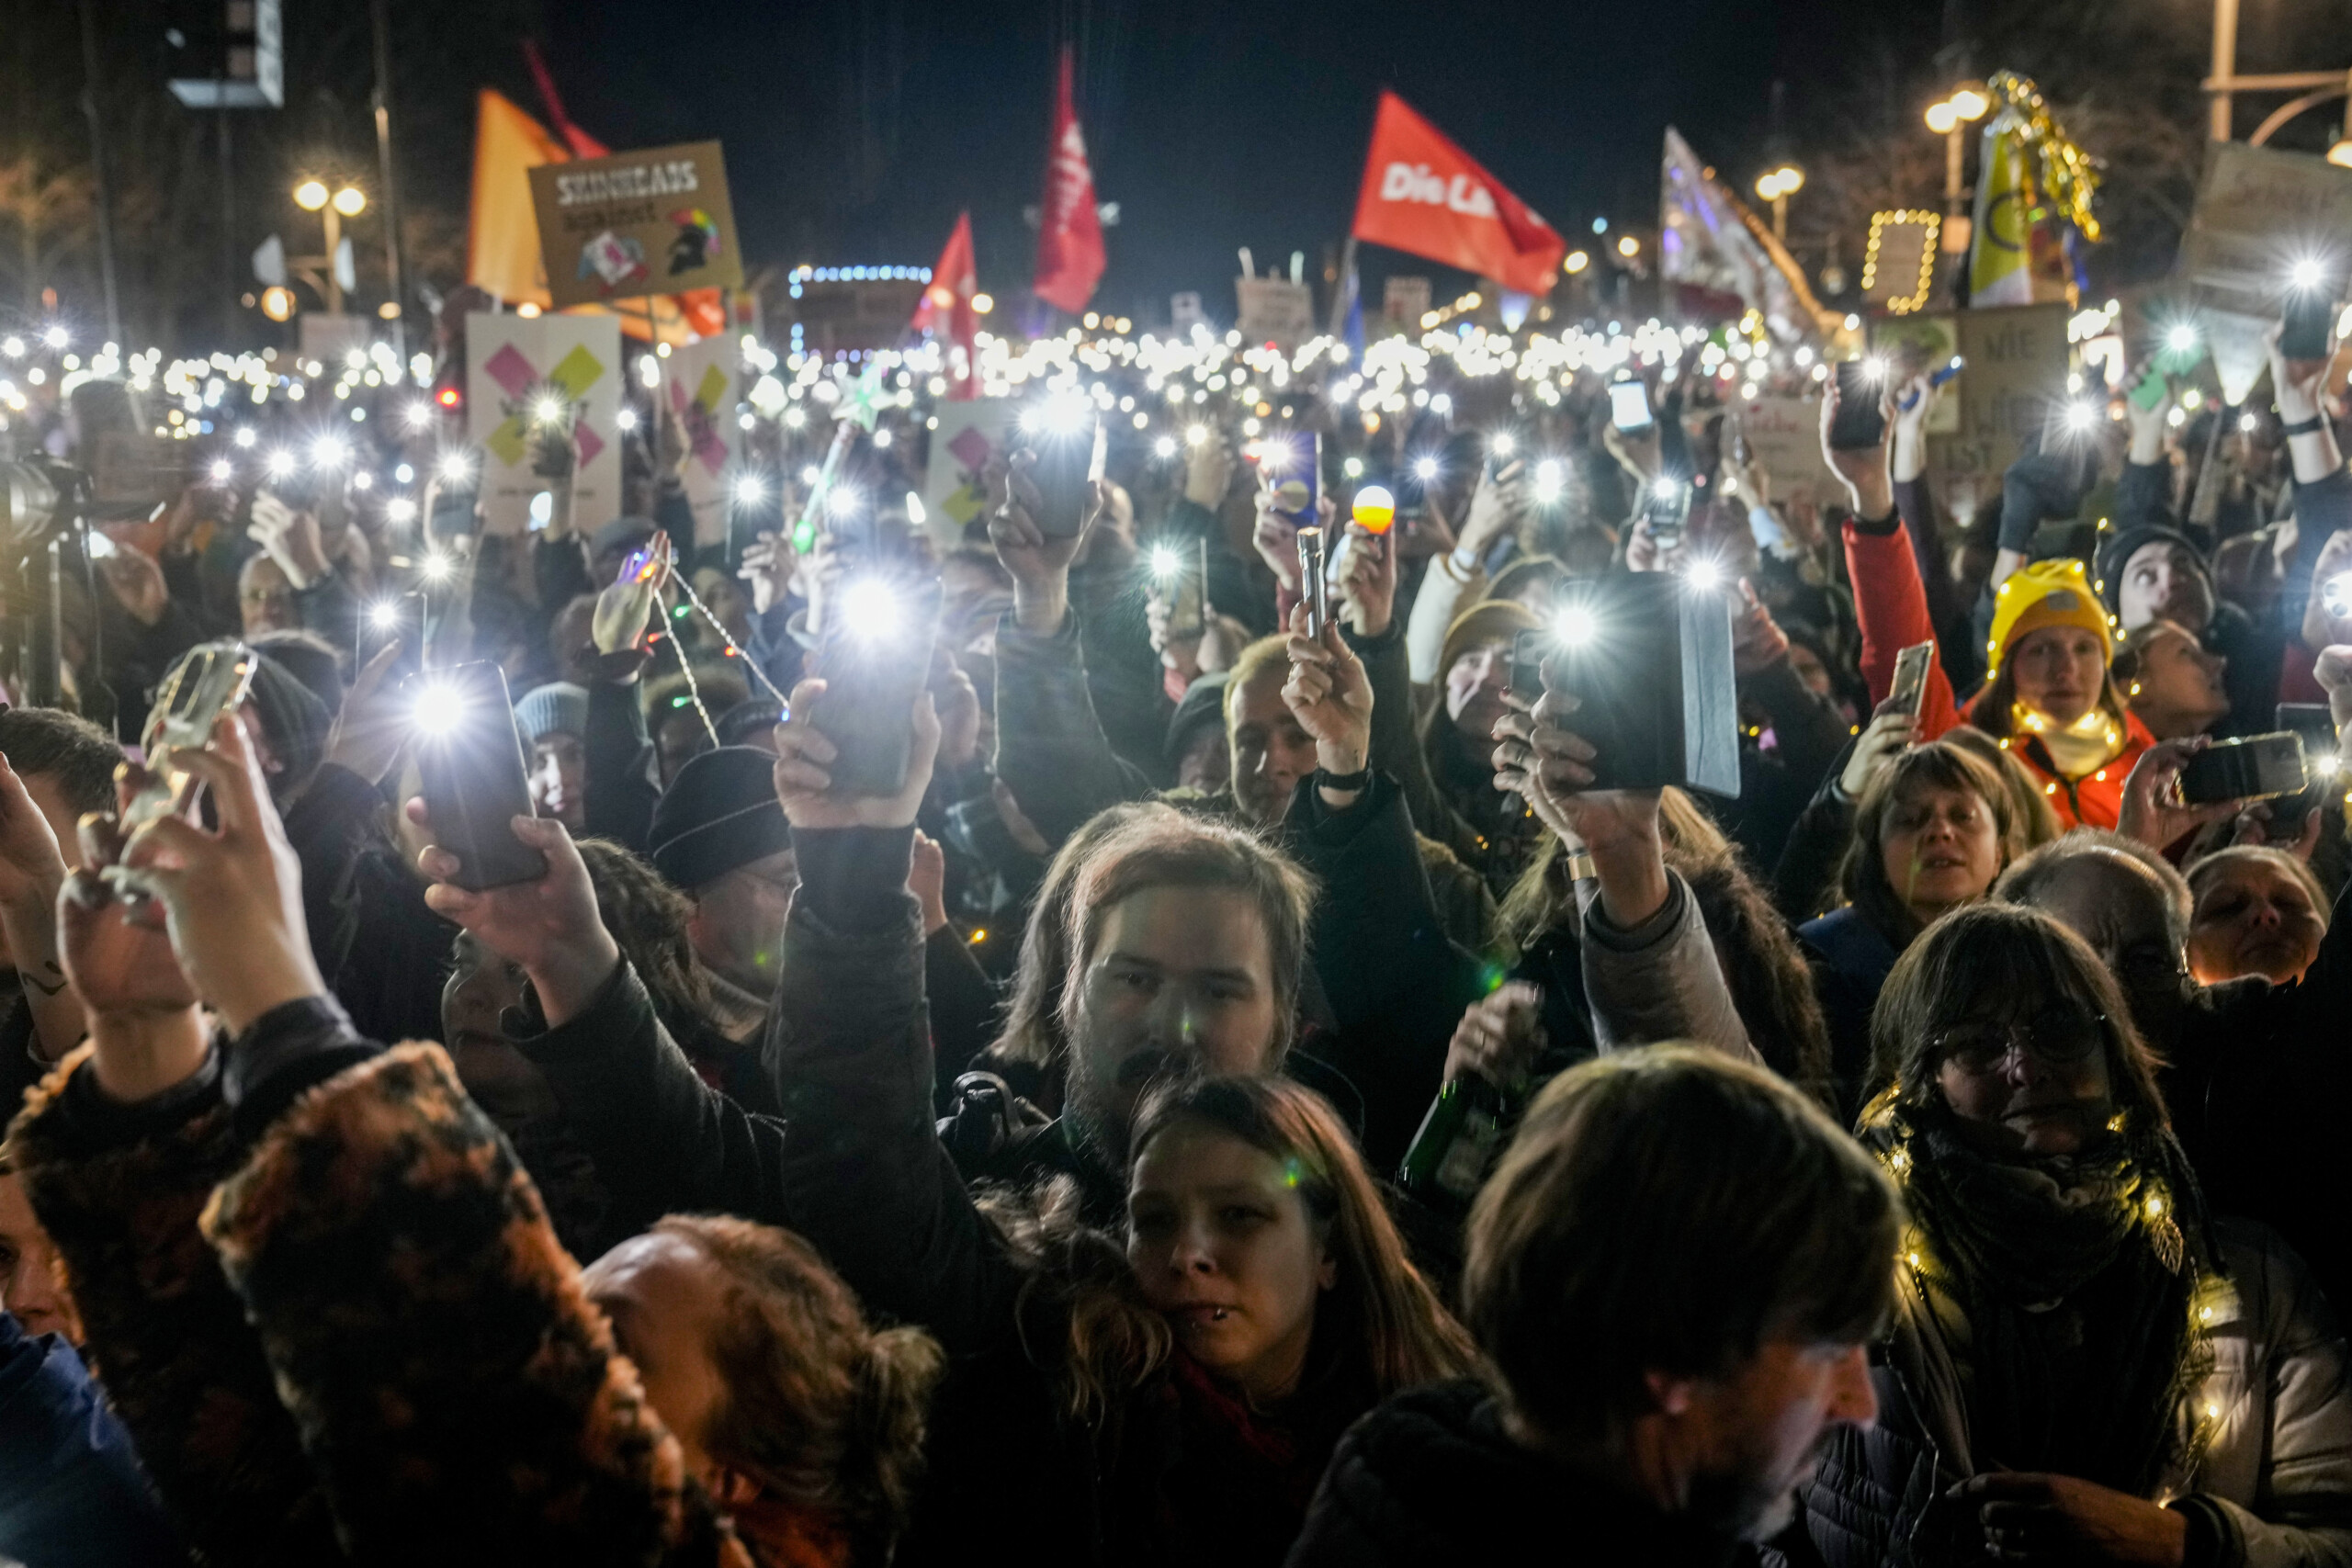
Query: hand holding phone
pixel 475 782
pixel 1860 422
pixel 875 657
pixel 1628 406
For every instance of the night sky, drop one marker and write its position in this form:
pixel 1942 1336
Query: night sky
pixel 854 131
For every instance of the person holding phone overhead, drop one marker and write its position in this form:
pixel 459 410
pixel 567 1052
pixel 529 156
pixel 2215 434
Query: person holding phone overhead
pixel 2048 696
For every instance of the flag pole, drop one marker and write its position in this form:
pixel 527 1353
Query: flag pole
pixel 1339 286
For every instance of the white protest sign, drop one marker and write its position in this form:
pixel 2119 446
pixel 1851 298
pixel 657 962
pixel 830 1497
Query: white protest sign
pixel 698 388
pixel 2259 211
pixel 1784 434
pixel 511 363
pixel 969 435
pixel 1275 310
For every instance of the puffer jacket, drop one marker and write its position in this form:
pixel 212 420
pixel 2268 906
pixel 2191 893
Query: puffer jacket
pixel 2272 1488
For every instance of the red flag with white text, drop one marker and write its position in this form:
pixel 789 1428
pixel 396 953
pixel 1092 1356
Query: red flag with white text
pixel 946 311
pixel 1424 194
pixel 1070 235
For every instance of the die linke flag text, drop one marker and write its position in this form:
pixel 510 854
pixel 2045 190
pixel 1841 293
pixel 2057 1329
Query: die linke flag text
pixel 1424 194
pixel 1071 257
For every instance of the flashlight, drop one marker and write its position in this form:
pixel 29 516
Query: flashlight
pixel 1664 488
pixel 749 490
pixel 2079 417
pixel 1425 468
pixel 870 609
pixel 1550 480
pixel 455 469
pixel 221 472
pixel 1274 455
pixel 55 338
pixel 548 409
pixel 326 452
pixel 1874 368
pixel 1704 573
pixel 1195 434
pixel 245 436
pixel 384 614
pixel 1164 449
pixel 625 420
pixel 1575 627
pixel 1165 562
pixel 399 508
pixel 419 415
pixel 1500 444
pixel 437 567
pixel 881 440
pixel 363 479
pixel 2181 339
pixel 2306 274
pixel 1374 510
pixel 278 465
pixel 438 709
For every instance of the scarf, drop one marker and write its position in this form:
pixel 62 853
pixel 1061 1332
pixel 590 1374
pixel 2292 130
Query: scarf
pixel 2058 1293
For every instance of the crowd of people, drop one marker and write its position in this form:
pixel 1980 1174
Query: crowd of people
pixel 1235 1088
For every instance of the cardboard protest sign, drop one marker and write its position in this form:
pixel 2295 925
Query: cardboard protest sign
pixel 968 435
pixel 1917 345
pixel 657 221
pixel 2017 365
pixel 698 388
pixel 1784 434
pixel 1403 301
pixel 2259 211
pixel 511 363
pixel 1275 310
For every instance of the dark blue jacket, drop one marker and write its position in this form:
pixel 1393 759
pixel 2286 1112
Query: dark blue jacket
pixel 70 1489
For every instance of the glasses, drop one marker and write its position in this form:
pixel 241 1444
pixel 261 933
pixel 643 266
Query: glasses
pixel 2058 1039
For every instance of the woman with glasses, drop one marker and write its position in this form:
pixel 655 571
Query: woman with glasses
pixel 2084 1367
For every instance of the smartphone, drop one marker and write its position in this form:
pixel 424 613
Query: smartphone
pixel 475 782
pixel 1529 649
pixel 454 514
pixel 2309 317
pixel 872 676
pixel 211 679
pixel 1298 480
pixel 2314 727
pixel 2256 767
pixel 1861 423
pixel 401 619
pixel 1502 449
pixel 1911 677
pixel 1312 578
pixel 1629 405
pixel 1666 504
pixel 1188 607
pixel 1065 463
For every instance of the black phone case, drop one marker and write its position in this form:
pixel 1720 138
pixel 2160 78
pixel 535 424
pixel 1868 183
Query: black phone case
pixel 1860 424
pixel 1060 477
pixel 2309 315
pixel 475 783
pixel 870 688
pixel 2259 767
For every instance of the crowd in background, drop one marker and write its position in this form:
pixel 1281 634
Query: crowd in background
pixel 1928 1152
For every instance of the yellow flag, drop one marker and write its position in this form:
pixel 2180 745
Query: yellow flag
pixel 1999 269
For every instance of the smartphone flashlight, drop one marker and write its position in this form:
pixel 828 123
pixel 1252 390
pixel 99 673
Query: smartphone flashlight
pixel 1425 468
pixel 1501 445
pixel 384 614
pixel 439 707
pixel 1575 626
pixel 749 490
pixel 2181 339
pixel 1550 480
pixel 1704 573
pixel 1165 563
pixel 101 546
pixel 2306 274
pixel 2336 595
pixel 222 471
pixel 870 609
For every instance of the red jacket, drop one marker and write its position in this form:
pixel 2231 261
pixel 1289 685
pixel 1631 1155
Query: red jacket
pixel 1892 605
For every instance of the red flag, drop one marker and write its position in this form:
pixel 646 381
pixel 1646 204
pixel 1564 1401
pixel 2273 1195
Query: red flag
pixel 1423 194
pixel 946 310
pixel 1070 239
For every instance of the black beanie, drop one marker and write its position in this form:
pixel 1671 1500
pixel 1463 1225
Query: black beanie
pixel 720 812
pixel 1203 704
pixel 294 723
pixel 2115 553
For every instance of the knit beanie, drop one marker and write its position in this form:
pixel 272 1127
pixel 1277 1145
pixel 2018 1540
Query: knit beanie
pixel 2116 550
pixel 557 708
pixel 1488 621
pixel 1203 707
pixel 294 723
pixel 2047 593
pixel 720 812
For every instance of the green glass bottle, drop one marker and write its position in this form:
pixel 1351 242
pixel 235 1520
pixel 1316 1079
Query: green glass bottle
pixel 1457 1144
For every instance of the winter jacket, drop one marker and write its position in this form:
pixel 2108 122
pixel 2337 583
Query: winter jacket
pixel 371 1346
pixel 1894 610
pixel 1851 959
pixel 1430 1480
pixel 72 1494
pixel 2272 1488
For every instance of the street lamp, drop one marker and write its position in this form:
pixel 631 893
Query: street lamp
pixel 1776 186
pixel 1951 120
pixel 311 196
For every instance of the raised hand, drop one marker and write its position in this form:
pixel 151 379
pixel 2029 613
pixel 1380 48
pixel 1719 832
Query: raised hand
pixel 135 580
pixel 1330 695
pixel 372 724
pixel 1549 766
pixel 622 609
pixel 1038 562
pixel 547 926
pixel 292 539
pixel 1499 1037
pixel 1889 731
pixel 1870 488
pixel 806 788
pixel 2153 810
pixel 231 897
pixel 768 565
pixel 1368 591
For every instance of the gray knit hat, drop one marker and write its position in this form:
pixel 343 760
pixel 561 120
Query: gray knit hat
pixel 557 707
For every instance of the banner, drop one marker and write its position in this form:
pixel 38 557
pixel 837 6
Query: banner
pixel 1071 257
pixel 1275 310
pixel 946 313
pixel 1710 243
pixel 969 435
pixel 510 360
pixel 1785 433
pixel 698 385
pixel 502 253
pixel 1918 346
pixel 656 222
pixel 1424 194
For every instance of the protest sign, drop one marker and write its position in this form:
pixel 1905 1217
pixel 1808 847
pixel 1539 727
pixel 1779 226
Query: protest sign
pixel 1184 312
pixel 511 362
pixel 968 435
pixel 2017 366
pixel 1275 310
pixel 657 221
pixel 1403 301
pixel 699 386
pixel 1784 434
pixel 1914 346
pixel 2259 211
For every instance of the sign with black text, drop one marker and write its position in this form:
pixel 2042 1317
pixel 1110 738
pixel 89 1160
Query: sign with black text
pixel 652 222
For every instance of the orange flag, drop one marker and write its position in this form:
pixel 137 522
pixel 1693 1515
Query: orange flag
pixel 1071 257
pixel 1424 194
